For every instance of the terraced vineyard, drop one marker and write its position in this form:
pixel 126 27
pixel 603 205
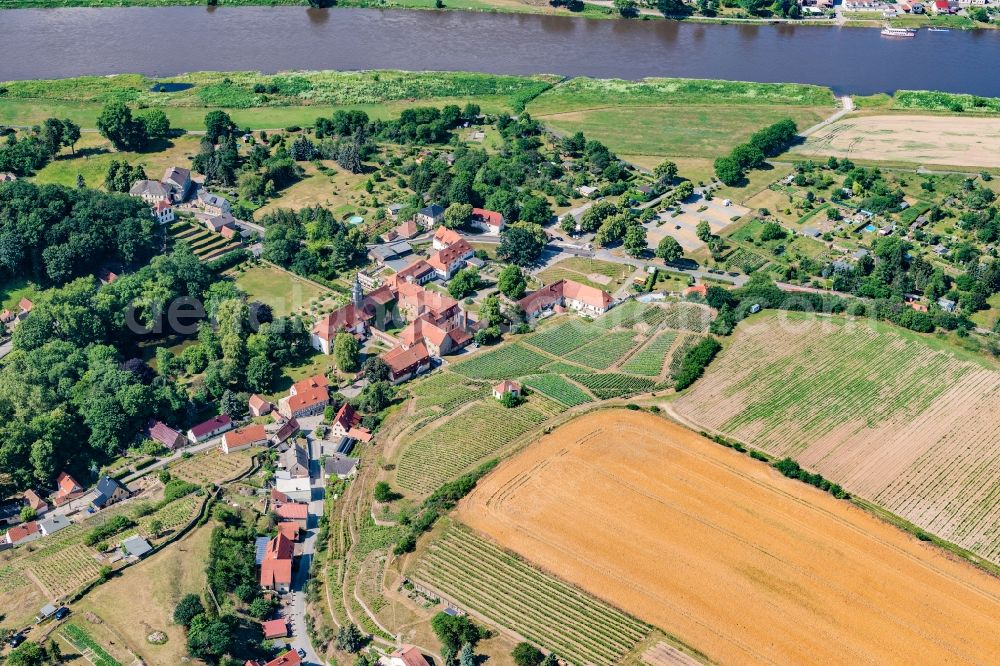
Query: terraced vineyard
pixel 212 466
pixel 440 454
pixel 614 385
pixel 649 360
pixel 558 388
pixel 566 336
pixel 502 363
pixel 605 351
pixel 205 244
pixel 547 612
pixel 891 416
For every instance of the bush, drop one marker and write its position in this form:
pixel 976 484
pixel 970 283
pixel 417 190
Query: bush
pixel 526 654
pixel 108 529
pixel 694 362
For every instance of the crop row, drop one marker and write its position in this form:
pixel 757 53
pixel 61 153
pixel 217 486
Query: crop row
pixel 502 363
pixel 564 338
pixel 605 351
pixel 544 610
pixel 446 391
pixel 83 642
pixel 441 454
pixel 745 260
pixel 67 570
pixel 558 388
pixel 649 360
pixel 614 385
pixel 11 579
pixel 624 315
pixel 688 317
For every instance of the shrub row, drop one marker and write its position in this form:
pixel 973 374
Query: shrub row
pixel 792 470
pixel 109 528
pixel 768 142
pixel 694 362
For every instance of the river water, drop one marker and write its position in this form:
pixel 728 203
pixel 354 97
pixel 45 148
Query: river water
pixel 162 41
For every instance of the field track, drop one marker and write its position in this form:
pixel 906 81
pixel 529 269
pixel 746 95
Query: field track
pixel 908 426
pixel 724 553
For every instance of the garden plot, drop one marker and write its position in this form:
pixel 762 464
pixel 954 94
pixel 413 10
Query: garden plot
pixel 891 416
pixel 212 466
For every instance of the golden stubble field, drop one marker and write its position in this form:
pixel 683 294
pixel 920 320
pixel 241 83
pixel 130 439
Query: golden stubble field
pixel 946 140
pixel 724 553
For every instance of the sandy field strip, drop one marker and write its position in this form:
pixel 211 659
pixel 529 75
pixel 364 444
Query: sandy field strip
pixel 724 553
pixel 947 140
pixel 878 410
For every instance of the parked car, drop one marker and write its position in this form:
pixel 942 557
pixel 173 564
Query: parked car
pixel 302 653
pixel 61 613
pixel 16 639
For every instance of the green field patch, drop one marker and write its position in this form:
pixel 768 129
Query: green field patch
pixel 284 292
pixel 470 437
pixel 558 388
pixel 614 385
pixel 649 360
pixel 446 391
pixel 502 363
pixel 563 368
pixel 605 351
pixel 564 337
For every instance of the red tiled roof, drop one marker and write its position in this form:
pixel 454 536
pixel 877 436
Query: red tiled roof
pixel 411 656
pixel 490 217
pixel 407 229
pixel 401 360
pixel 25 305
pixel 278 496
pixel 67 488
pixel 416 270
pixel 208 426
pixel 244 436
pixel 275 572
pixel 34 501
pixel 341 319
pixel 307 398
pixel 415 297
pixel 286 430
pixel 592 296
pixel 446 236
pixel 290 530
pixel 290 658
pixel 257 402
pixel 699 289
pixel 292 511
pixel 22 531
pixel 164 434
pixel 275 628
pixel 455 252
pixel 545 297
pixel 507 386
pixel 346 416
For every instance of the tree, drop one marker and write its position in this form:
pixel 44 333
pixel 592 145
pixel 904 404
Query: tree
pixel 511 282
pixel 345 352
pixel 626 8
pixel 260 374
pixel 218 125
pixel 665 172
pixel 156 122
pixel 455 631
pixel 465 282
pixel 375 369
pixel 117 125
pixel 27 654
pixel 521 244
pixel 350 639
pixel 772 231
pixel 155 527
pixel 28 513
pixel 457 215
pixel 509 399
pixel 551 660
pixel 635 240
pixel 187 609
pixel 526 654
pixel 467 656
pixel 728 170
pixel 376 396
pixel 382 492
pixel 71 134
pixel 669 249
pixel 490 311
pixel 210 637
pixel 261 607
pixel 703 230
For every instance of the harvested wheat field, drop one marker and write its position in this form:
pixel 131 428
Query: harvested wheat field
pixel 721 551
pixel 946 140
pixel 892 416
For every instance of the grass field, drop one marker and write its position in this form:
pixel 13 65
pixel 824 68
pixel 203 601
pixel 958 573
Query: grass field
pixel 899 419
pixel 284 292
pixel 141 600
pixel 450 448
pixel 298 97
pixel 546 611
pixel 604 275
pixel 918 139
pixel 722 552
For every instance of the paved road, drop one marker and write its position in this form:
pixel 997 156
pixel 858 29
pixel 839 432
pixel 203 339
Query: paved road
pixel 6 348
pixel 295 612
pixel 846 106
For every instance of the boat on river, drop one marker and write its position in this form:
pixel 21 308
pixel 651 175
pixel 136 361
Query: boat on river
pixel 889 31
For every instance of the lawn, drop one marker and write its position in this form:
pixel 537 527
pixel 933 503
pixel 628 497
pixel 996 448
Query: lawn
pixel 283 291
pixel 656 132
pixel 13 290
pixel 605 275
pixel 332 188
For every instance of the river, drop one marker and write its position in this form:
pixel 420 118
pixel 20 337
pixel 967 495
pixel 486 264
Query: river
pixel 161 41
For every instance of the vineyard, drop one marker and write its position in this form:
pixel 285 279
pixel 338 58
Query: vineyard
pixel 565 337
pixel 547 612
pixel 502 363
pixel 558 388
pixel 649 360
pixel 212 466
pixel 745 260
pixel 688 317
pixel 885 413
pixel 624 315
pixel 614 385
pixel 605 351
pixel 438 455
pixel 66 570
pixel 446 391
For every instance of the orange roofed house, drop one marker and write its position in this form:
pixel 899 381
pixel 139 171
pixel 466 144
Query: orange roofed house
pixel 67 489
pixel 407 655
pixel 568 294
pixel 290 658
pixel 489 221
pixel 237 440
pixel 347 423
pixel 276 567
pixel 306 398
pixel 405 363
pixel 443 237
pixel 451 259
pixel 364 311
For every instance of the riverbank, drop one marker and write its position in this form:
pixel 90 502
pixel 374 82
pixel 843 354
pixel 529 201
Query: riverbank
pixel 597 9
